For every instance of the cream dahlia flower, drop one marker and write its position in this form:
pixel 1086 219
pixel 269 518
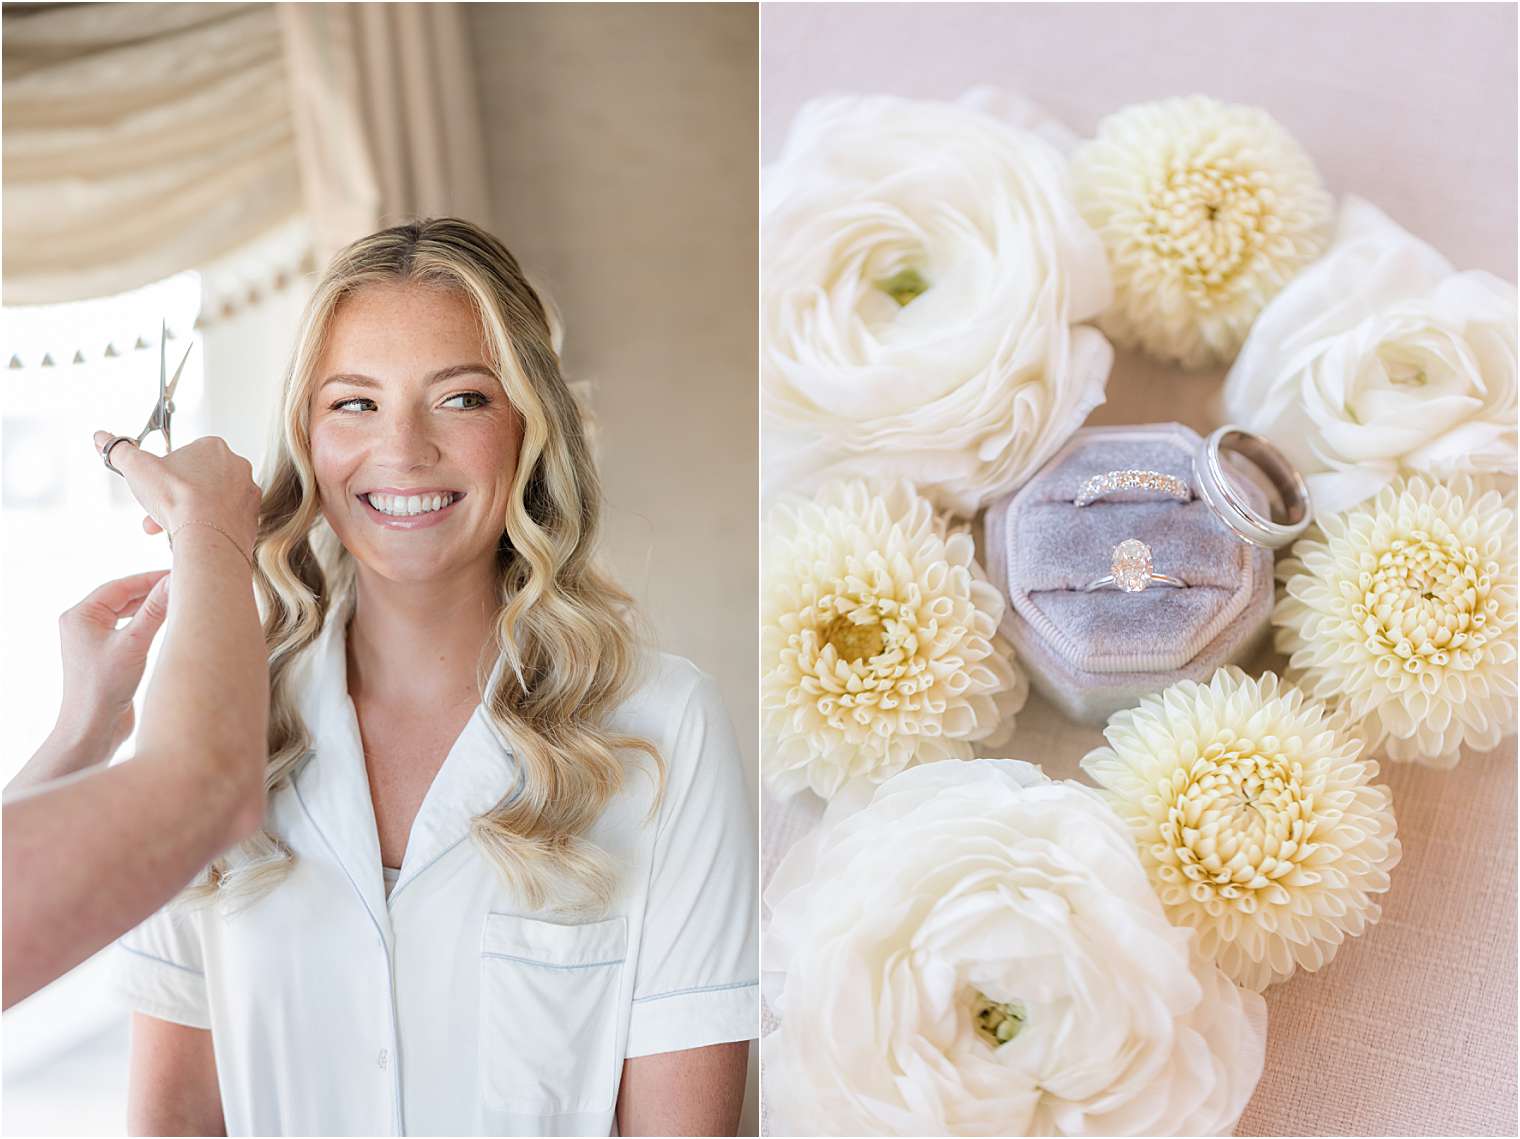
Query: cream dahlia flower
pixel 924 279
pixel 1255 818
pixel 878 639
pixel 1206 209
pixel 1404 609
pixel 972 949
pixel 1381 359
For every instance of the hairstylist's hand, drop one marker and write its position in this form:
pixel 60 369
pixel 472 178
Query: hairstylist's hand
pixel 205 480
pixel 102 667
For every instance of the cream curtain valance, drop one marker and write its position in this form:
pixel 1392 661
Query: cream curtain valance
pixel 141 140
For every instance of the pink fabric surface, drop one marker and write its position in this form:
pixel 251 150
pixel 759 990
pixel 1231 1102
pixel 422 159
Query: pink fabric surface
pixel 1411 1030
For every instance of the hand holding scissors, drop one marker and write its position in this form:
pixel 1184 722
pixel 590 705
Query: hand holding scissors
pixel 163 410
pixel 203 483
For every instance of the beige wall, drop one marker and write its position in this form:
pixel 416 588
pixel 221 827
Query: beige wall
pixel 621 145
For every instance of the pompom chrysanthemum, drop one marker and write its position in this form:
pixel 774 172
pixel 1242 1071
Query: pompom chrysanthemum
pixel 1206 209
pixel 878 639
pixel 1255 818
pixel 1403 608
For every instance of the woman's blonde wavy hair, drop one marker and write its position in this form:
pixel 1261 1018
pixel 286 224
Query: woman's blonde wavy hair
pixel 567 633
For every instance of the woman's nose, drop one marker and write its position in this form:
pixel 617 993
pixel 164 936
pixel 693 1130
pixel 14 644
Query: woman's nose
pixel 408 441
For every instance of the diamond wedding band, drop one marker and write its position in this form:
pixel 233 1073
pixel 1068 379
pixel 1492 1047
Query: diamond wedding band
pixel 1099 485
pixel 1131 570
pixel 1215 486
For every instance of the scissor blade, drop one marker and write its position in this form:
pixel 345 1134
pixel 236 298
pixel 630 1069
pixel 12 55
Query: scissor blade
pixel 163 363
pixel 174 383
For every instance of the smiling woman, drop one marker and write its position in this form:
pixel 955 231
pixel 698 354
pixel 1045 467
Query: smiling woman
pixel 507 855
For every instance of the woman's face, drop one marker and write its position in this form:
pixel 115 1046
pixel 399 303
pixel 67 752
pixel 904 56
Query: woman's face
pixel 405 415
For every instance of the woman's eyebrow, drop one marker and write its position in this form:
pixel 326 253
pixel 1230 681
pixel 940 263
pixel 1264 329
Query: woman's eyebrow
pixel 359 380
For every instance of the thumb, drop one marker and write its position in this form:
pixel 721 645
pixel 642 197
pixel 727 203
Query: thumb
pixel 150 615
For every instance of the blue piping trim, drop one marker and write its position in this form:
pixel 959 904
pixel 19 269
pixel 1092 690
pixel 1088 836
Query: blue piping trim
pixel 396 890
pixel 390 971
pixel 547 964
pixel 698 989
pixel 162 960
pixel 506 801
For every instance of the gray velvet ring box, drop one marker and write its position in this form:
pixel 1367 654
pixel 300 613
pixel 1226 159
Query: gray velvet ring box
pixel 1092 654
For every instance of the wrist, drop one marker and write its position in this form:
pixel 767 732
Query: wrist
pixel 68 748
pixel 205 534
pixel 88 737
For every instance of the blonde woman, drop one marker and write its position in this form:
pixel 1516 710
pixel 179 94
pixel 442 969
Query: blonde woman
pixel 506 881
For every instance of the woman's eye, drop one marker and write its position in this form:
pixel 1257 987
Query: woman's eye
pixel 481 401
pixel 469 395
pixel 342 405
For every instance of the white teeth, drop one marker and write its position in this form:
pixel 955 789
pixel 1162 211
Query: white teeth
pixel 403 505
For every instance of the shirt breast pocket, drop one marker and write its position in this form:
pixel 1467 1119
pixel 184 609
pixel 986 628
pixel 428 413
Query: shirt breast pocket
pixel 549 1013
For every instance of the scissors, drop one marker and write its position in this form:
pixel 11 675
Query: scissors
pixel 163 409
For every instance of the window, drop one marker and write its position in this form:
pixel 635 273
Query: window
pixel 69 526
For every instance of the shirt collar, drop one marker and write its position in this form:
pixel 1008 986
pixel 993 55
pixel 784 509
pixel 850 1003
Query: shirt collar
pixel 333 785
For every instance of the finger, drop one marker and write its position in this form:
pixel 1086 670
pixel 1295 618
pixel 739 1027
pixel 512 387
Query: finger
pixel 125 455
pixel 151 526
pixel 149 618
pixel 124 591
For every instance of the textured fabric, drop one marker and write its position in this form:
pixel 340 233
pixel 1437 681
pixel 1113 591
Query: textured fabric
pixel 1094 653
pixel 139 140
pixel 386 117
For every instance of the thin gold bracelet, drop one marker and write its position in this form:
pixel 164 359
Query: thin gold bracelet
pixel 218 529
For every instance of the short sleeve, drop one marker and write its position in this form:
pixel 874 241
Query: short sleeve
pixel 159 968
pixel 698 969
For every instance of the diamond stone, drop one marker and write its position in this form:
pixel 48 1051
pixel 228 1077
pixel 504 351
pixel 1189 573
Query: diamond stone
pixel 1132 565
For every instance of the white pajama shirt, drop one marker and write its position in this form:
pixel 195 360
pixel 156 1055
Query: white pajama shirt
pixel 446 1009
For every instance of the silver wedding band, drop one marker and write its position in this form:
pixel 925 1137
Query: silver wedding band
pixel 105 452
pixel 1224 497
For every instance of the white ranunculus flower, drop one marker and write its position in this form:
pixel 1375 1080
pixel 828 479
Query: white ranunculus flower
pixel 976 950
pixel 1381 359
pixel 924 273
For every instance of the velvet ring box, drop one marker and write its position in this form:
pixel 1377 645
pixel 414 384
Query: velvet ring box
pixel 1092 654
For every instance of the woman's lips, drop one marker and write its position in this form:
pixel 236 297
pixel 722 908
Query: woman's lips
pixel 408 522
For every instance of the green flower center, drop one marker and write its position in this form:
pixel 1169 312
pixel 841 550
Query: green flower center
pixel 904 286
pixel 997 1022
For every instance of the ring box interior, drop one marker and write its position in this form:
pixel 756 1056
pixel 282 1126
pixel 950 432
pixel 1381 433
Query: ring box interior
pixel 1093 653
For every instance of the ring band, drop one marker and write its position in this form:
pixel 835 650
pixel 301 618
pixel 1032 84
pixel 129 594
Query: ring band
pixel 1100 485
pixel 105 452
pixel 1224 496
pixel 1131 570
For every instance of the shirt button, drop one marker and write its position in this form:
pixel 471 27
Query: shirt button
pixel 382 1058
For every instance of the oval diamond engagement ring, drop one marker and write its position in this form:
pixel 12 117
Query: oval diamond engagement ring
pixel 1132 570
